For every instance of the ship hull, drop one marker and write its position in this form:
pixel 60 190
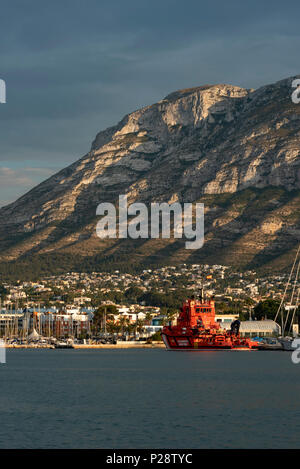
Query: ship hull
pixel 189 343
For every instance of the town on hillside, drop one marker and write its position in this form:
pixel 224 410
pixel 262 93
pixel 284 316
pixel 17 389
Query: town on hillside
pixel 101 307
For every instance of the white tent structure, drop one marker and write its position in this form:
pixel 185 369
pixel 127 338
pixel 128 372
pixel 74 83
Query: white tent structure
pixel 266 328
pixel 34 336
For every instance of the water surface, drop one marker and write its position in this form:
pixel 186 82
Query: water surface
pixel 149 399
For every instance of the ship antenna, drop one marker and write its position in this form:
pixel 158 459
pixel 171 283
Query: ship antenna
pixel 201 295
pixel 198 292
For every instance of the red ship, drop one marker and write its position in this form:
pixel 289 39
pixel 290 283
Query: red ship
pixel 196 329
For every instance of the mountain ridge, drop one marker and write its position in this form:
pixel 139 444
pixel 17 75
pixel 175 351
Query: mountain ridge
pixel 207 143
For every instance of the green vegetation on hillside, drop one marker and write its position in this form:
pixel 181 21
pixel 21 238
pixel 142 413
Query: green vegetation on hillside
pixel 227 243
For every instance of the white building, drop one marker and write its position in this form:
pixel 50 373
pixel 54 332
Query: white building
pixel 266 328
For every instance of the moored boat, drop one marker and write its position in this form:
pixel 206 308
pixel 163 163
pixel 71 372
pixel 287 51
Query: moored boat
pixel 287 343
pixel 196 329
pixel 64 345
pixel 270 343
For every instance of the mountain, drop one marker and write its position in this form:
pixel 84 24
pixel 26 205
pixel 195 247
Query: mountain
pixel 236 150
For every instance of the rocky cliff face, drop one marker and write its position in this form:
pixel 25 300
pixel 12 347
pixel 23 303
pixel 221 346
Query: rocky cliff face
pixel 237 150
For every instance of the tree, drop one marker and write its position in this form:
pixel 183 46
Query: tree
pixel 3 292
pixel 148 318
pixel 157 336
pixel 113 328
pixel 103 312
pixel 139 326
pixel 266 309
pixel 123 322
pixel 133 294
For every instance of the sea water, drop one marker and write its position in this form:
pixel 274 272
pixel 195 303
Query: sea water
pixel 149 398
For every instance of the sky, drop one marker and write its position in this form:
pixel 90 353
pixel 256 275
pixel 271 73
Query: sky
pixel 73 68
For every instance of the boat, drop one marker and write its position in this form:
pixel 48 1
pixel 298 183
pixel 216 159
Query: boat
pixel 270 343
pixel 63 345
pixel 287 343
pixel 197 330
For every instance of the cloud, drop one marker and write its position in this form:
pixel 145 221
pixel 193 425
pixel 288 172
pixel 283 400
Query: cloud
pixel 73 68
pixel 15 182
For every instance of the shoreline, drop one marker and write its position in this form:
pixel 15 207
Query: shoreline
pixel 89 347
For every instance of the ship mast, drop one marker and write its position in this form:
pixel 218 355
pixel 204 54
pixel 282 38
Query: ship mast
pixel 295 294
pixel 198 291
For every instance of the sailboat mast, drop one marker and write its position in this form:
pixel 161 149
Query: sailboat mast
pixel 281 306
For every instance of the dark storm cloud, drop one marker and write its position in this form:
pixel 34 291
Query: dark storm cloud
pixel 74 67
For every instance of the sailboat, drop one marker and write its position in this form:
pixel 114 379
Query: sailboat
pixel 289 304
pixel 34 336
